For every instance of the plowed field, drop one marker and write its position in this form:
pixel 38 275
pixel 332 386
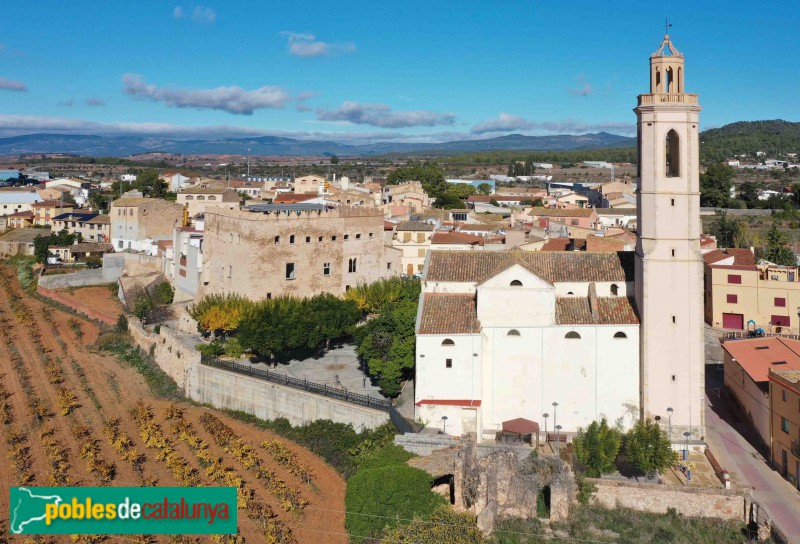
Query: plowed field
pixel 70 416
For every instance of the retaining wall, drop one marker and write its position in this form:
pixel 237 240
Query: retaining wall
pixel 77 306
pixel 689 501
pixel 229 390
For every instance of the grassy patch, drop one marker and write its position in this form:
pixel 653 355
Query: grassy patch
pixel 27 278
pixel 121 345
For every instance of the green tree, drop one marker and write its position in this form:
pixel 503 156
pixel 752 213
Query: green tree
pixel 461 190
pixel 449 201
pixel 334 159
pixel 597 448
pixel 647 448
pixel 430 175
pixel 150 184
pixel 715 185
pixel 98 200
pixel 444 526
pixel 494 202
pixel 384 497
pixel 748 194
pixel 778 250
pixel 484 189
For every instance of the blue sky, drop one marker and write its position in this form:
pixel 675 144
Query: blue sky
pixel 368 71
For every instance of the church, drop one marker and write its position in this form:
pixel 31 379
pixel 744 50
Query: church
pixel 566 338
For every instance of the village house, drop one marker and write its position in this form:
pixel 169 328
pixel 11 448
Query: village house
pixel 197 199
pixel 784 395
pixel 269 250
pixel 182 261
pixel 79 251
pixel 138 222
pixel 17 201
pixel 410 195
pixel 740 294
pixel 19 220
pixel 746 366
pixel 311 184
pixel 46 210
pixel 576 217
pixel 413 239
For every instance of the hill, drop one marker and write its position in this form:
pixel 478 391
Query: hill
pixel 775 137
pixel 122 146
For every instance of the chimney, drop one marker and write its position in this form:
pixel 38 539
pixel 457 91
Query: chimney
pixel 593 302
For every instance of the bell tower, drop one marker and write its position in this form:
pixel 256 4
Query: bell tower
pixel 669 269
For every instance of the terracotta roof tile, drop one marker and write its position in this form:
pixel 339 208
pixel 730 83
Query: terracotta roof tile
pixel 758 355
pixel 292 198
pixel 446 313
pixel 601 243
pixel 557 244
pixel 610 311
pixel 453 237
pixel 551 266
pixel 415 226
pixel 563 212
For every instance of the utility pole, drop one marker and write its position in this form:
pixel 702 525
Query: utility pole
pixel 248 163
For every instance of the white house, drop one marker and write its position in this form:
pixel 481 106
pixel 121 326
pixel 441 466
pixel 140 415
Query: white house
pixel 17 201
pixel 502 335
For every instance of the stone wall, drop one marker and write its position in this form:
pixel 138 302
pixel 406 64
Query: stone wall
pixel 689 501
pixel 79 278
pixel 175 354
pixel 425 444
pixel 77 306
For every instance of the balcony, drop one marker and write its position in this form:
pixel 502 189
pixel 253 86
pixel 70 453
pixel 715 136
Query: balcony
pixel 795 449
pixel 664 98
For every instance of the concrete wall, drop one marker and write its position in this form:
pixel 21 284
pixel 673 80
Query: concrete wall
pixel 176 356
pixel 79 278
pixel 689 501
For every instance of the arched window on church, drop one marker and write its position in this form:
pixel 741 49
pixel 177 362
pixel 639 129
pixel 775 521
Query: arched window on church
pixel 620 334
pixel 513 332
pixel 516 283
pixel 448 342
pixel 670 78
pixel 672 154
pixel 614 289
pixel 572 335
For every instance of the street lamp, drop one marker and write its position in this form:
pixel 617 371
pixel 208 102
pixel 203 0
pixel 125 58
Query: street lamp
pixel 555 407
pixel 444 424
pixel 558 441
pixel 688 470
pixel 545 416
pixel 669 411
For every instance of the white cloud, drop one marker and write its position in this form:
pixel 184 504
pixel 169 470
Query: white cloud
pixel 200 14
pixel 503 123
pixel 11 85
pixel 231 99
pixel 381 115
pixel 509 123
pixel 305 44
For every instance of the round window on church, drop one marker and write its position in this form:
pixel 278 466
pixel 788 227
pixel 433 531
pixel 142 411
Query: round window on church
pixel 513 332
pixel 572 335
pixel 448 342
pixel 516 283
pixel 620 334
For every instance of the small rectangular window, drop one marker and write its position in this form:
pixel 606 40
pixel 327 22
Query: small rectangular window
pixel 333 238
pixel 230 271
pixel 388 266
pixel 346 236
pixel 448 363
pixel 783 395
pixel 674 320
pixel 573 222
pixel 358 237
pixel 370 236
pixel 289 271
pixel 785 425
pixel 780 302
pixel 735 278
pixel 672 201
pixel 326 269
pixel 673 252
pixel 308 239
pixel 320 238
pixel 732 299
pixel 269 295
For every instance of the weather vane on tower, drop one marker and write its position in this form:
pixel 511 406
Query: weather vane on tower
pixel 667 25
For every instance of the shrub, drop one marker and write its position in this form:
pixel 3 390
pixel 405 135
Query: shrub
pixel 444 526
pixel 597 448
pixel 585 488
pixel 647 448
pixel 93 261
pixel 214 349
pixel 122 323
pixel 381 497
pixel 163 293
pixel 233 348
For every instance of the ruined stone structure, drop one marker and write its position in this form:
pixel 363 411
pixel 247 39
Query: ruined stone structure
pixel 300 250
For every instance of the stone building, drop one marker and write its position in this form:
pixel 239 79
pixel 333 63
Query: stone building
pixel 302 250
pixel 413 239
pixel 784 401
pixel 91 226
pixel 198 199
pixel 138 222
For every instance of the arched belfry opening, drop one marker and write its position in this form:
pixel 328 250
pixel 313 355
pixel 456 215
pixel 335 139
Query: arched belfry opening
pixel 670 88
pixel 672 155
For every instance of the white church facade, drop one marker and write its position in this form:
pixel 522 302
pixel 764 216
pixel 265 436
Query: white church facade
pixel 505 335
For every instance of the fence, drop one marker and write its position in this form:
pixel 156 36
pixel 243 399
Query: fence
pixel 401 423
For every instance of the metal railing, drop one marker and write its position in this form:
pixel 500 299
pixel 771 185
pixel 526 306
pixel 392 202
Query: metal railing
pixel 739 335
pixel 796 451
pixel 667 98
pixel 339 393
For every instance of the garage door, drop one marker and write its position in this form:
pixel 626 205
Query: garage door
pixel 733 321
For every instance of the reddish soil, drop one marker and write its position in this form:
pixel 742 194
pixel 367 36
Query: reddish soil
pixel 99 299
pixel 110 389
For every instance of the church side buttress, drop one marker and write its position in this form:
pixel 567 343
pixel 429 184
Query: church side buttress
pixel 669 269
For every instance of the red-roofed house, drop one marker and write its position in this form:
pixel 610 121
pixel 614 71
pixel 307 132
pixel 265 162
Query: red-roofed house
pixel 747 366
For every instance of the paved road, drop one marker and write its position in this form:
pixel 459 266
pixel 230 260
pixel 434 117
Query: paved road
pixel 748 468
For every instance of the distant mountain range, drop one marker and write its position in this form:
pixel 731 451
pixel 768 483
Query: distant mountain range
pixel 123 146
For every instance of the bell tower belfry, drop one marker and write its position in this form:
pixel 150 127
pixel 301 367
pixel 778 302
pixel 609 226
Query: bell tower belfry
pixel 669 269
